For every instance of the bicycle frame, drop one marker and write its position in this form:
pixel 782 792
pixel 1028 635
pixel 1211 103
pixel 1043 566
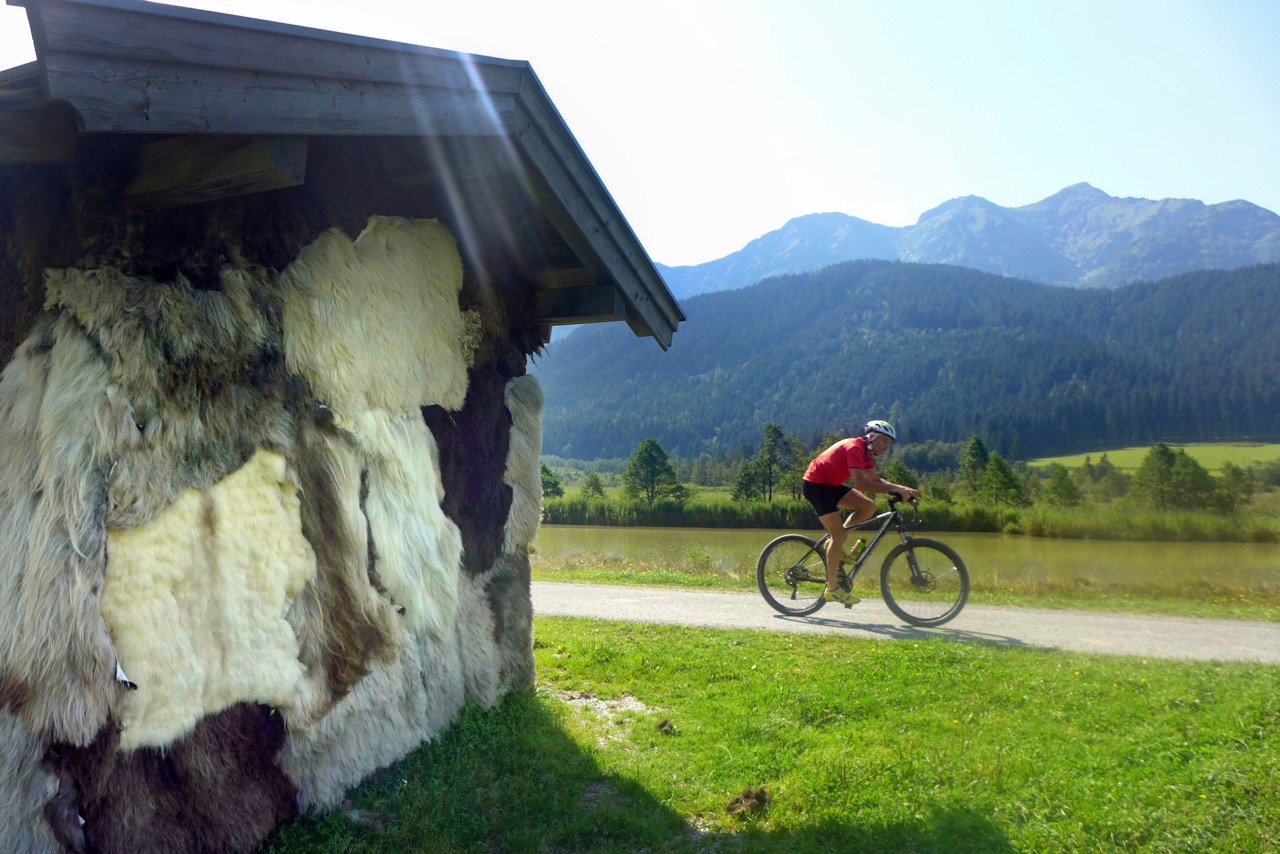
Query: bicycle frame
pixel 885 521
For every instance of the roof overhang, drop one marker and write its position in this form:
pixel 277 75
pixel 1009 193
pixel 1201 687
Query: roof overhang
pixel 471 123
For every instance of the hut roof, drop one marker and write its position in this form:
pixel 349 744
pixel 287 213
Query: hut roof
pixel 479 133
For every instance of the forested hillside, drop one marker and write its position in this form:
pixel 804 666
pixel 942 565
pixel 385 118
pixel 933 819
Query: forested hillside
pixel 944 352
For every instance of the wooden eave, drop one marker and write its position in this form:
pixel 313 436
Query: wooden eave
pixel 132 67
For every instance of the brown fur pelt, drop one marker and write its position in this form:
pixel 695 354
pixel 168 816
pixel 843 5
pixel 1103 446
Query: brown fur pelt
pixel 217 790
pixel 523 472
pixel 28 791
pixel 473 453
pixel 59 417
pixel 202 370
pixel 392 711
pixel 343 624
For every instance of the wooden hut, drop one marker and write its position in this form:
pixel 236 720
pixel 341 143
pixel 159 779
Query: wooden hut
pixel 268 448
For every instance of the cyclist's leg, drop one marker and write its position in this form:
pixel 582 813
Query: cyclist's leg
pixel 863 507
pixel 834 524
pixel 827 499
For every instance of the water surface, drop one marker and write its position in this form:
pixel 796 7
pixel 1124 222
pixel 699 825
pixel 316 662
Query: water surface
pixel 989 557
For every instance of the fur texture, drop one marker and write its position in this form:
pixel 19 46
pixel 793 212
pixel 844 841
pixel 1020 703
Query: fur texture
pixel 343 624
pixel 523 473
pixel 392 711
pixel 196 600
pixel 473 456
pixel 201 370
pixel 26 790
pixel 58 418
pixel 495 630
pixel 512 605
pixel 375 324
pixel 418 549
pixel 217 790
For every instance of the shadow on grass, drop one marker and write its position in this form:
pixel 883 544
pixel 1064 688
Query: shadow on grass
pixel 900 632
pixel 511 779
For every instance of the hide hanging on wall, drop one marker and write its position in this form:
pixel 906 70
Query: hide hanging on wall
pixel 58 418
pixel 375 324
pixel 196 602
pixel 418 549
pixel 523 472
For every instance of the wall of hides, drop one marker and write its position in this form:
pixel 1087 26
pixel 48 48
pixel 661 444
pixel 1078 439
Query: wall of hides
pixel 266 530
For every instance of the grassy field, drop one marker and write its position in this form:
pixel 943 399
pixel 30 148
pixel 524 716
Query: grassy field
pixel 661 738
pixel 1209 455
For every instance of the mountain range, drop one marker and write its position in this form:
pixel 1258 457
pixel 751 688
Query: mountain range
pixel 943 351
pixel 1080 236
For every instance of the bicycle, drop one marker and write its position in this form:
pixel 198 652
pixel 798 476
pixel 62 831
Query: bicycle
pixel 923 581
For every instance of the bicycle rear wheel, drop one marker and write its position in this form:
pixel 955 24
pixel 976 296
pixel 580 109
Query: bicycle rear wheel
pixel 792 574
pixel 924 582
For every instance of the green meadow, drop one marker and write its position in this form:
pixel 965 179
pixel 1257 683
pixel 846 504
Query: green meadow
pixel 665 738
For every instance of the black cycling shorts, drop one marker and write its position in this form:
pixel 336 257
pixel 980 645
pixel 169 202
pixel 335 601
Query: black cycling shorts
pixel 824 497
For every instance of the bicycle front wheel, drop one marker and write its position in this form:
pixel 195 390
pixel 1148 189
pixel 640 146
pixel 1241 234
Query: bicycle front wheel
pixel 792 574
pixel 924 582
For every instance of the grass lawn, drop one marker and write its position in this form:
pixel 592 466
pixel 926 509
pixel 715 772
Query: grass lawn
pixel 662 738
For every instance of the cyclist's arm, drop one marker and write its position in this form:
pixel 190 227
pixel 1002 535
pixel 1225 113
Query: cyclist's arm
pixel 869 480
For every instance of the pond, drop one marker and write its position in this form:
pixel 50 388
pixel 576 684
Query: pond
pixel 991 558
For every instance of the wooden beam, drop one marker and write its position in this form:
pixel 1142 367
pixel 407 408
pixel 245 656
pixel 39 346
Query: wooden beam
pixel 38 136
pixel 190 169
pixel 590 304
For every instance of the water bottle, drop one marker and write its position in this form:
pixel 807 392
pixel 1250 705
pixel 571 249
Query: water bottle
pixel 851 556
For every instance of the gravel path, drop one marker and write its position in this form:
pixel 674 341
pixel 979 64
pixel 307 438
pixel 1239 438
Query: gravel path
pixel 1187 638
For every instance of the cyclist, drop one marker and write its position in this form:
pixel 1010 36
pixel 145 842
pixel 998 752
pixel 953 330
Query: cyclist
pixel 826 490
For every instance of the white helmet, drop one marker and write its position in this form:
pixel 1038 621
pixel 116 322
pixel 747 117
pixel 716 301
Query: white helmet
pixel 882 427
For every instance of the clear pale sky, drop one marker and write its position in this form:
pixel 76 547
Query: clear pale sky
pixel 713 122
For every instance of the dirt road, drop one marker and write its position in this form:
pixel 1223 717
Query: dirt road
pixel 1081 631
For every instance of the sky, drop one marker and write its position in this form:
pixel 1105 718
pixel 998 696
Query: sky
pixel 713 122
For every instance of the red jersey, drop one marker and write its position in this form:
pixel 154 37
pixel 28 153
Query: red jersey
pixel 834 465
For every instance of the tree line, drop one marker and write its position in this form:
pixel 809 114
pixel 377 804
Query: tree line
pixel 967 473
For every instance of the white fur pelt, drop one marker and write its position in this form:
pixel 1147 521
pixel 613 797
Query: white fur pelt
pixel 418 548
pixel 343 624
pixel 200 370
pixel 26 787
pixel 59 416
pixel 392 711
pixel 523 474
pixel 196 603
pixel 375 324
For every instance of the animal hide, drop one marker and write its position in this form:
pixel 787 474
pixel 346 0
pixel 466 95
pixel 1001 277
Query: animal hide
pixel 343 624
pixel 523 474
pixel 202 371
pixel 473 456
pixel 26 791
pixel 217 790
pixel 495 630
pixel 59 416
pixel 418 550
pixel 392 711
pixel 375 324
pixel 512 606
pixel 196 599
